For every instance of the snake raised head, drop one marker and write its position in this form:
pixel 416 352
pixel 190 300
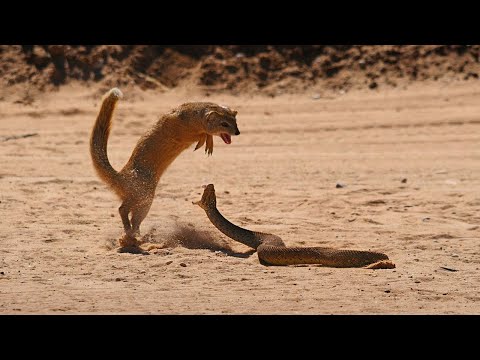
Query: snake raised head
pixel 271 249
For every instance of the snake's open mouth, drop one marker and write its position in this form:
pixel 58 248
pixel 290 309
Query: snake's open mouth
pixel 227 139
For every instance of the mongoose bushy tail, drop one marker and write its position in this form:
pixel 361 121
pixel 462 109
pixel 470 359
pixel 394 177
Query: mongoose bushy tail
pixel 99 139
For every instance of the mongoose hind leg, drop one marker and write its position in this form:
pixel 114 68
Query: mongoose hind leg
pixel 138 208
pixel 128 240
pixel 139 212
pixel 124 210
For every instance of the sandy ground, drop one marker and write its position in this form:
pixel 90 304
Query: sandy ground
pixel 60 224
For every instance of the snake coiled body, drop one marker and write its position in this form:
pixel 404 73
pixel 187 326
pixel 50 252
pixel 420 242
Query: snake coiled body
pixel 272 250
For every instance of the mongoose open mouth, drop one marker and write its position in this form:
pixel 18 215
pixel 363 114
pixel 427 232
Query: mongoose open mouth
pixel 227 139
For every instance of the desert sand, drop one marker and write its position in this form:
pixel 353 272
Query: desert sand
pixel 409 160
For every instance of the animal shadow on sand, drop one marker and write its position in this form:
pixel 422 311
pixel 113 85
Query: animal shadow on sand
pixel 186 236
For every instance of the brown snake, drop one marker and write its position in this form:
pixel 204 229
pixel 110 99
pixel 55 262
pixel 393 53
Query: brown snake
pixel 271 249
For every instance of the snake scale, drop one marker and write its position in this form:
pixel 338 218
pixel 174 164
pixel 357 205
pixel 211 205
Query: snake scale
pixel 271 249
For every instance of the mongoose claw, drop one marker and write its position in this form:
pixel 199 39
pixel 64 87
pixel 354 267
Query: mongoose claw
pixel 201 142
pixel 209 146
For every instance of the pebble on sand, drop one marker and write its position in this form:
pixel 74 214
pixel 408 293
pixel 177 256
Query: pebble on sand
pixel 340 185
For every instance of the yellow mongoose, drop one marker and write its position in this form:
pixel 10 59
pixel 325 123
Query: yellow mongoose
pixel 135 184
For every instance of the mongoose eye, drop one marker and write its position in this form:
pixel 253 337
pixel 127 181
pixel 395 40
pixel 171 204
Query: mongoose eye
pixel 224 124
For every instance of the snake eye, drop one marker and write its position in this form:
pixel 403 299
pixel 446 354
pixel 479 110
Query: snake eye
pixel 225 124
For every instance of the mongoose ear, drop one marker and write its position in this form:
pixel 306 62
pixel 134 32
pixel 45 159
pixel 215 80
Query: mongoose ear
pixel 210 112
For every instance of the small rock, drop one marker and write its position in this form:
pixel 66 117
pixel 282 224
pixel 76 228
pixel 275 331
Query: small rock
pixel 417 281
pixel 118 279
pixel 112 215
pixel 183 265
pixel 340 185
pixel 40 57
pixel 372 85
pixel 2 272
pixel 316 96
pixel 426 219
pixel 387 291
pixel 404 181
pixel 168 262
